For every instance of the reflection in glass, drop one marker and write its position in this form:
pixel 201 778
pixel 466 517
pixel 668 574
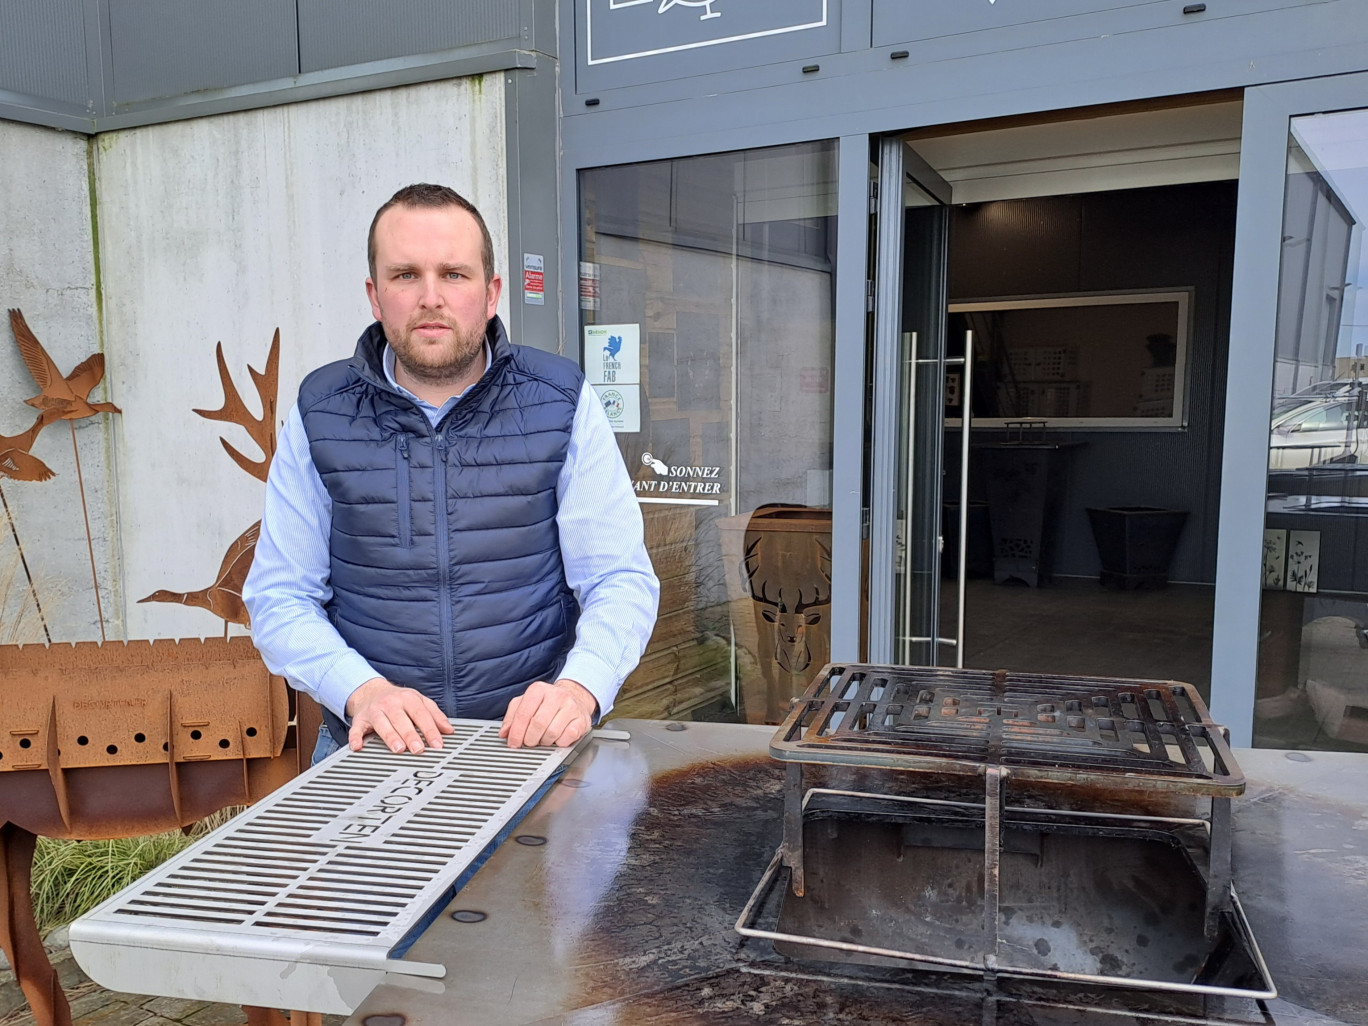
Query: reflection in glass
pixel 1313 650
pixel 714 276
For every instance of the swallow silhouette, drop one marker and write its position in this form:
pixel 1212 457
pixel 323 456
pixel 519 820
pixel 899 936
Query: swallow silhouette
pixel 59 397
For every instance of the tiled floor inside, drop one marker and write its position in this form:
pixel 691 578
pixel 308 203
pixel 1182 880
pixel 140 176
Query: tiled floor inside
pixel 1076 626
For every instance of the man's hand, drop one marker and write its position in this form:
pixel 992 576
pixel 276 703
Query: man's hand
pixel 401 716
pixel 549 714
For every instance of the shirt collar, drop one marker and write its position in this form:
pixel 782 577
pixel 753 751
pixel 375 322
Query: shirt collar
pixel 433 413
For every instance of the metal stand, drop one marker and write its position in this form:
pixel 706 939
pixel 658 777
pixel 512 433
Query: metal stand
pixel 995 778
pixel 1220 897
pixel 1219 893
pixel 19 934
pixel 791 851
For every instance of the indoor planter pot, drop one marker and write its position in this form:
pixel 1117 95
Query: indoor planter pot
pixel 1136 543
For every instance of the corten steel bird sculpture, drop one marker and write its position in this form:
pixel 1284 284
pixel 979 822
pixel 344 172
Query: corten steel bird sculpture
pixel 223 598
pixel 19 464
pixel 61 397
pixel 65 397
pixel 228 732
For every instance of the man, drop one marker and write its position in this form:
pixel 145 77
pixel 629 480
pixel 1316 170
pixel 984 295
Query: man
pixel 449 529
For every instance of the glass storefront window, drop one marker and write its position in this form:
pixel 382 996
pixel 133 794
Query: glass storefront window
pixel 1313 651
pixel 706 310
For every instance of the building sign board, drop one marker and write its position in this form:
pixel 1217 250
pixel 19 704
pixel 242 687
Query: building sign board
pixel 621 30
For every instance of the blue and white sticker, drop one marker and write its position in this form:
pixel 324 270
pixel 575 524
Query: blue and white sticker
pixel 621 405
pixel 612 354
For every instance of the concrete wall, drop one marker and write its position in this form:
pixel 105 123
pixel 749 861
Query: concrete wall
pixel 218 229
pixel 47 270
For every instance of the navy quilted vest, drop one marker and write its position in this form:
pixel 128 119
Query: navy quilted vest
pixel 446 566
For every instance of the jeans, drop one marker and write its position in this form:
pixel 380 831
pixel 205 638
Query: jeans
pixel 325 746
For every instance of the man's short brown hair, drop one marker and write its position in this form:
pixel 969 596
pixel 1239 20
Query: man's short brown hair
pixel 424 195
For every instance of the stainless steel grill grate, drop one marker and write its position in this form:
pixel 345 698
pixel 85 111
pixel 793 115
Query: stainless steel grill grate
pixel 332 871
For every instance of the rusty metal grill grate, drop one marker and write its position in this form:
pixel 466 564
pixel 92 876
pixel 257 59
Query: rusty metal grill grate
pixel 1079 729
pixel 1110 734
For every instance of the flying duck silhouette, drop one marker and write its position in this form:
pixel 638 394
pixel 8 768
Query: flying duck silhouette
pixel 223 598
pixel 15 459
pixel 59 397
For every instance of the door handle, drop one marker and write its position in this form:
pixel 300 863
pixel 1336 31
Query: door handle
pixel 966 414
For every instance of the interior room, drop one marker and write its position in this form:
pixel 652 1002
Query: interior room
pixel 1091 261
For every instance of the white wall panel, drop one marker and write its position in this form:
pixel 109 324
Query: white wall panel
pixel 223 229
pixel 47 270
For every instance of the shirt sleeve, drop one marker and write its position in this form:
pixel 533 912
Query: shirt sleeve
pixel 287 587
pixel 604 552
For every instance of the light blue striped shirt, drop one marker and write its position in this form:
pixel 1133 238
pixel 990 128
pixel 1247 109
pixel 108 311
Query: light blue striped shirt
pixel 601 543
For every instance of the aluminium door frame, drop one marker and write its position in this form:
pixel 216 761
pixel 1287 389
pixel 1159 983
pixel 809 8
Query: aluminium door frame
pixel 848 370
pixel 899 164
pixel 1268 113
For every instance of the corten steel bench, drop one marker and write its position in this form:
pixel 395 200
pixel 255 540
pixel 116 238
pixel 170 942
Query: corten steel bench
pixel 124 739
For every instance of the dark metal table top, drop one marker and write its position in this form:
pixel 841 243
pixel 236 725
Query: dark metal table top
pixel 614 904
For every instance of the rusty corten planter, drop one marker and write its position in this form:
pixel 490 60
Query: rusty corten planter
pixel 128 738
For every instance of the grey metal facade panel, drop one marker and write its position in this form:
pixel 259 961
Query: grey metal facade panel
pixel 1007 25
pixel 866 91
pixel 900 21
pixel 1253 317
pixel 316 85
pixel 167 48
pixel 960 29
pixel 848 393
pixel 629 42
pixel 334 33
pixel 43 50
pixel 533 190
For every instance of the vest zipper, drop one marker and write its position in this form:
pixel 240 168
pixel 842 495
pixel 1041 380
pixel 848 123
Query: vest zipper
pixel 444 576
pixel 402 492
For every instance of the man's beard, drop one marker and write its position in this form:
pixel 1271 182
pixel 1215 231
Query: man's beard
pixel 433 364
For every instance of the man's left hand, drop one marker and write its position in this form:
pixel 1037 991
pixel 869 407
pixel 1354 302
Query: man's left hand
pixel 549 714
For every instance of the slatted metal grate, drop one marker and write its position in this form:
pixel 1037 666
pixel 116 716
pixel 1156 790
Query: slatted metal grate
pixel 333 870
pixel 1121 733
